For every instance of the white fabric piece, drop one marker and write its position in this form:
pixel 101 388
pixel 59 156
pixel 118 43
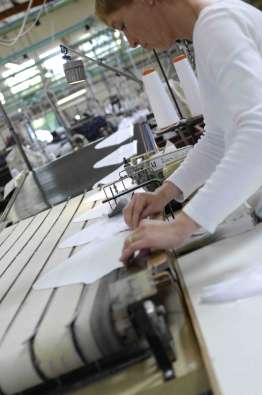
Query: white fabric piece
pixel 98 212
pixel 87 266
pixel 93 196
pixel 117 138
pixel 170 147
pixel 125 151
pixel 111 177
pixel 100 230
pixel 126 122
pixel 138 116
pixel 114 177
pixel 245 284
pixel 12 184
pixel 227 160
pixel 9 187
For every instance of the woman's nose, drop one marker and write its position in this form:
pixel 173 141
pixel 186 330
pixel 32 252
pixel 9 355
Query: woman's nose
pixel 133 42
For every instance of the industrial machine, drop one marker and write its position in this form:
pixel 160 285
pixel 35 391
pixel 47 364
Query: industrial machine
pixel 146 167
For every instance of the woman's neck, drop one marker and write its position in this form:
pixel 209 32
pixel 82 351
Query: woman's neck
pixel 182 15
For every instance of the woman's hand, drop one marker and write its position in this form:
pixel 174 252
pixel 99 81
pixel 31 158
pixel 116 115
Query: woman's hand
pixel 159 235
pixel 142 205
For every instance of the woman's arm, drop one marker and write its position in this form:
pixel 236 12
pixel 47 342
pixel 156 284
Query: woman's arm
pixel 199 164
pixel 229 49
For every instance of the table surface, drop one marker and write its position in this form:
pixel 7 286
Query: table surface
pixel 230 333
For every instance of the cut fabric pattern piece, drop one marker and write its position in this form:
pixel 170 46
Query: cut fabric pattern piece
pixel 117 138
pixel 100 230
pixel 94 196
pixel 111 177
pixel 87 266
pixel 125 151
pixel 98 212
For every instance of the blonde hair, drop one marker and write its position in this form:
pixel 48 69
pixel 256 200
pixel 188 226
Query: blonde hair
pixel 106 7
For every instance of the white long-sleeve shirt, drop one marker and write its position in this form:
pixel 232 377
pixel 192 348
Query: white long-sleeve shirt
pixel 227 161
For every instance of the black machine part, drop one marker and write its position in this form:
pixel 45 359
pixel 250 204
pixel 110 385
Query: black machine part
pixel 149 321
pixel 119 207
pixel 139 317
pixel 186 132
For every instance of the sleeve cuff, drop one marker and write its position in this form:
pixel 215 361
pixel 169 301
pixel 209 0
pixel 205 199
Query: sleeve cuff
pixel 180 182
pixel 201 218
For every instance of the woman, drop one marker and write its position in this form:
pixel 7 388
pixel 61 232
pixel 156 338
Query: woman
pixel 227 162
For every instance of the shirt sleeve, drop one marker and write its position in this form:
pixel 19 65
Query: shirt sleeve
pixel 199 163
pixel 233 62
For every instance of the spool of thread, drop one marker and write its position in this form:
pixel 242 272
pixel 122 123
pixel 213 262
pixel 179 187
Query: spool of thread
pixel 189 84
pixel 161 104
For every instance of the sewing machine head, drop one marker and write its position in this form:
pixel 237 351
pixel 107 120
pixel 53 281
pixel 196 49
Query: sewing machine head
pixel 138 308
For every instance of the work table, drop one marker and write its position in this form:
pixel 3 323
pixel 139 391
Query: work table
pixel 229 334
pixel 50 325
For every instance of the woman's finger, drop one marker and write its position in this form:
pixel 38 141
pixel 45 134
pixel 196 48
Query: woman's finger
pixel 139 207
pixel 128 212
pixel 130 249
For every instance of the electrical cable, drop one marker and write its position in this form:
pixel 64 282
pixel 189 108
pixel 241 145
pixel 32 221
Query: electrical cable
pixel 21 33
pixel 22 26
pixel 167 83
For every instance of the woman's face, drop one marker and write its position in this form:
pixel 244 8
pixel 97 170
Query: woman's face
pixel 143 24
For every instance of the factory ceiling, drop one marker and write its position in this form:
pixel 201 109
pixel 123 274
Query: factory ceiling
pixel 36 55
pixel 12 12
pixel 11 8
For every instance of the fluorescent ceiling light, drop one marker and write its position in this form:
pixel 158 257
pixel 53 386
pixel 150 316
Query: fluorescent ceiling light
pixel 26 84
pixel 117 34
pixel 10 65
pixel 49 52
pixel 18 68
pixel 71 97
